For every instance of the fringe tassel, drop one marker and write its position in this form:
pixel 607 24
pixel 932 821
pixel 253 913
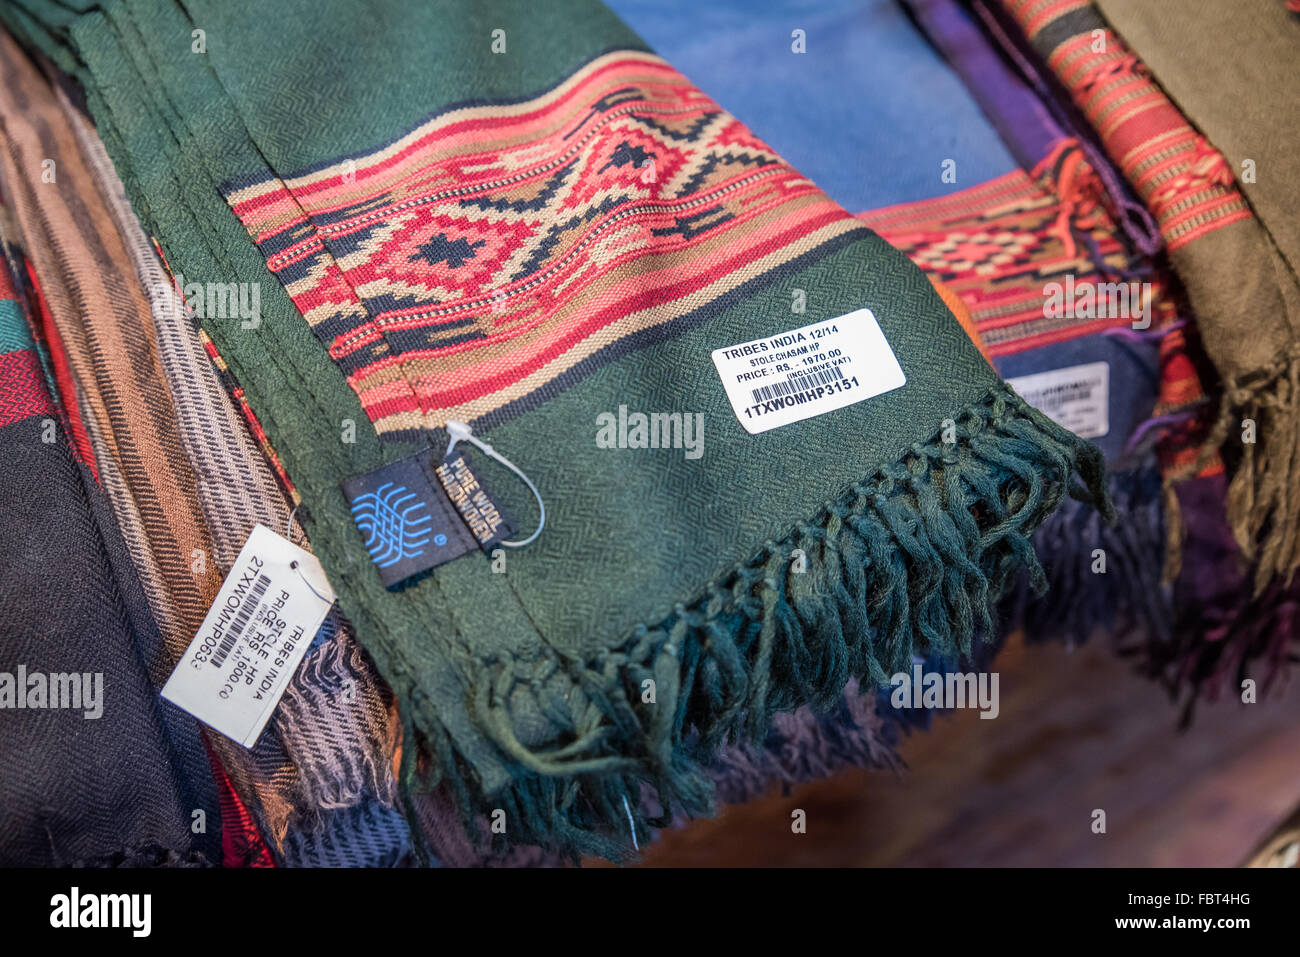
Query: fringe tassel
pixel 1223 634
pixel 1264 493
pixel 1175 533
pixel 909 562
pixel 1258 640
pixel 147 856
pixel 334 773
pixel 804 745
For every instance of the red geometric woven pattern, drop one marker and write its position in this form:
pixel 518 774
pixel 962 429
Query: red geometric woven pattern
pixel 1183 180
pixel 500 249
pixel 998 245
pixel 23 394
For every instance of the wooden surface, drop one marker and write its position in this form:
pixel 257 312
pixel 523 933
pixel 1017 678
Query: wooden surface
pixel 1077 731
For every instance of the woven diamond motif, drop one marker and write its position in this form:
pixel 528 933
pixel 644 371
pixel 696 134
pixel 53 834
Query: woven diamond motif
pixel 500 248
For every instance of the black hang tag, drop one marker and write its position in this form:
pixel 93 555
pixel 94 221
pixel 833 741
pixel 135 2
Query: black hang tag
pixel 479 511
pixel 405 519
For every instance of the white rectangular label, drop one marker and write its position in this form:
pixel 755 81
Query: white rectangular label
pixel 255 634
pixel 816 368
pixel 1077 397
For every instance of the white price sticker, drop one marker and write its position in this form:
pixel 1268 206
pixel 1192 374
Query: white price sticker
pixel 255 635
pixel 1076 398
pixel 817 368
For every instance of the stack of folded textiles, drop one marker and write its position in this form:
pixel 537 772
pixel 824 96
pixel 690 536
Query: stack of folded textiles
pixel 183 479
pixel 525 221
pixel 1025 250
pixel 1188 143
pixel 85 781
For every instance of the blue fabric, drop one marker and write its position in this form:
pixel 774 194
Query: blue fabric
pixel 1134 378
pixel 870 111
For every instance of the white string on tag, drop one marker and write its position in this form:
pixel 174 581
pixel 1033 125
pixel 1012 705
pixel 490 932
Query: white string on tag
pixel 460 431
pixel 325 598
pixel 288 534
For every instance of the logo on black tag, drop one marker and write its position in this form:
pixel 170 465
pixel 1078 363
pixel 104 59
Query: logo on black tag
pixel 413 516
pixel 405 520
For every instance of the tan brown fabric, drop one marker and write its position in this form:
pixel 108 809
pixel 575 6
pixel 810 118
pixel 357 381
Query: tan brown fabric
pixel 1230 67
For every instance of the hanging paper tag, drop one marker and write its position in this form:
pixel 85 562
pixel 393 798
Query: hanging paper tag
pixel 816 368
pixel 254 636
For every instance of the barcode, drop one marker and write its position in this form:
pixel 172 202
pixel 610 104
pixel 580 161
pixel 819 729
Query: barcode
pixel 1054 397
pixel 241 619
pixel 798 383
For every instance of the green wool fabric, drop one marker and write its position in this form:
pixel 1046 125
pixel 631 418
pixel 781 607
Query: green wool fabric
pixel 759 577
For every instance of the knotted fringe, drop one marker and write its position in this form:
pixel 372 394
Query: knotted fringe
pixel 1222 633
pixel 801 746
pixel 336 770
pixel 1125 595
pixel 1264 493
pixel 909 562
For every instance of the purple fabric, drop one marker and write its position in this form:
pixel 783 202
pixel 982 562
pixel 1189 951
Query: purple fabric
pixel 1216 576
pixel 1133 217
pixel 1019 116
pixel 1223 634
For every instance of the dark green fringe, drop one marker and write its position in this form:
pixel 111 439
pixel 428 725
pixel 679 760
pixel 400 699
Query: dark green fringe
pixel 909 562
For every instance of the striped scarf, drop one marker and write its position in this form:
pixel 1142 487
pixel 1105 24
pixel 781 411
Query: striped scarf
pixel 112 783
pixel 1241 285
pixel 185 488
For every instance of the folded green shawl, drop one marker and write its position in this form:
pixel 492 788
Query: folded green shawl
pixel 624 229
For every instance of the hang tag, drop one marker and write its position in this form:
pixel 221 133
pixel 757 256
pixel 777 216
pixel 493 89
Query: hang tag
pixel 254 637
pixel 406 521
pixel 480 514
pixel 817 368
